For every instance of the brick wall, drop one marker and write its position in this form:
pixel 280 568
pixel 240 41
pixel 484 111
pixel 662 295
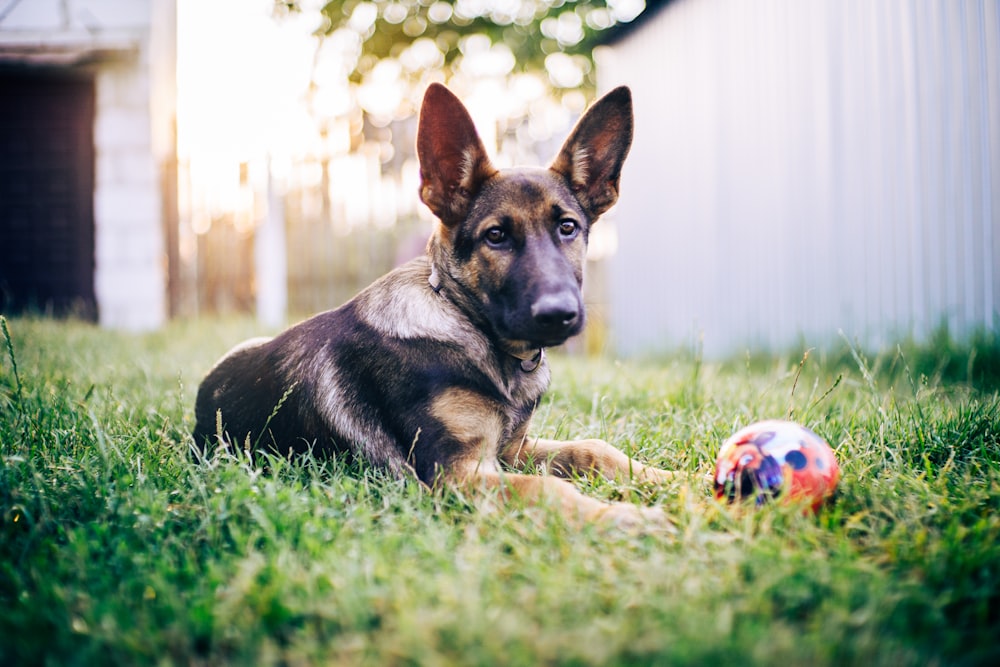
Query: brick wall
pixel 129 46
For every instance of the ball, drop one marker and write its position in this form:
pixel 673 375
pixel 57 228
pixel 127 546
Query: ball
pixel 776 459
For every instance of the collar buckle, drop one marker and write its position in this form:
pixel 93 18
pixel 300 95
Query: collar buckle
pixel 434 279
pixel 532 364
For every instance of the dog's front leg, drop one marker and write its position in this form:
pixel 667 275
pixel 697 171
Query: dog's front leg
pixel 571 503
pixel 465 454
pixel 581 457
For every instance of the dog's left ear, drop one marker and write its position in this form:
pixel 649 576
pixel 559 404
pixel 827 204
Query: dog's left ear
pixel 592 157
pixel 453 160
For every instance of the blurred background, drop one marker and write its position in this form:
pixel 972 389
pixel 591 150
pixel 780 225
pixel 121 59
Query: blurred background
pixel 802 171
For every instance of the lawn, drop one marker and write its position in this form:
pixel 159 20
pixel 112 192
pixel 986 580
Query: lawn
pixel 117 548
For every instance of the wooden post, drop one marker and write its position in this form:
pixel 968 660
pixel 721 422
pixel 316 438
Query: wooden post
pixel 270 261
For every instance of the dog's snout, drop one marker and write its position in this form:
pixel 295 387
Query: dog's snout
pixel 556 311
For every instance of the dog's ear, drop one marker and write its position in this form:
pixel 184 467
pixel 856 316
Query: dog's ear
pixel 453 161
pixel 592 157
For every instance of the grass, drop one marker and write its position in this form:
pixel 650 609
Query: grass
pixel 117 548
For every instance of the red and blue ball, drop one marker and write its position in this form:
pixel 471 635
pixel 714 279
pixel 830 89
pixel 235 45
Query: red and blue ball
pixel 776 459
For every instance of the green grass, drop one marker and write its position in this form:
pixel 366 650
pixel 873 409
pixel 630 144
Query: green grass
pixel 117 548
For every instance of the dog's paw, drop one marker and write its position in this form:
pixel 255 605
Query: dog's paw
pixel 653 476
pixel 632 518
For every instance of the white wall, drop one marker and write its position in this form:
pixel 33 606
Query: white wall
pixel 131 46
pixel 802 168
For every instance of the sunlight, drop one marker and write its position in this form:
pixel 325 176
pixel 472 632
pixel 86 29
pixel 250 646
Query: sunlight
pixel 241 80
pixel 251 87
pixel 288 121
pixel 255 89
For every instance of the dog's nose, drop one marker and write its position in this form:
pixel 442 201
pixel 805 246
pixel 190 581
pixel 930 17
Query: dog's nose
pixel 555 311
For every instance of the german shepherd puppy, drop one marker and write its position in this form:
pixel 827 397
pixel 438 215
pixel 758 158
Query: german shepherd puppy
pixel 435 369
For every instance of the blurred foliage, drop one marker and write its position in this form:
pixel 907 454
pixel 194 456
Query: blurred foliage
pixel 532 30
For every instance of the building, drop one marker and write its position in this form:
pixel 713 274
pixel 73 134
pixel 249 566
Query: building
pixel 88 159
pixel 803 169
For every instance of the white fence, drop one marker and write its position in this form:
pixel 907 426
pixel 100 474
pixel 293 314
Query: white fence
pixel 806 167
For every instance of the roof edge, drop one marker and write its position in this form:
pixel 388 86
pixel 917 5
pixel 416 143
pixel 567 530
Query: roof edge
pixel 621 30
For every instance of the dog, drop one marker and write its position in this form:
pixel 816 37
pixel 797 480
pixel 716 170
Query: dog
pixel 435 369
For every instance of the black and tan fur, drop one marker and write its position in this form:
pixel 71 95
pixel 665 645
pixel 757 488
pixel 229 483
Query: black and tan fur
pixel 435 369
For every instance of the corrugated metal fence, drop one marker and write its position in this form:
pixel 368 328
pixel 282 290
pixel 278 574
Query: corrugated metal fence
pixel 806 167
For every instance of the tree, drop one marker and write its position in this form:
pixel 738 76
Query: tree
pixel 540 35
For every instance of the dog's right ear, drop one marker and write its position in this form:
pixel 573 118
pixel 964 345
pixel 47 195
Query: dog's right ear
pixel 453 160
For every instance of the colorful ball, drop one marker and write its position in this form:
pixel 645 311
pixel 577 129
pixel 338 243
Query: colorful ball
pixel 776 459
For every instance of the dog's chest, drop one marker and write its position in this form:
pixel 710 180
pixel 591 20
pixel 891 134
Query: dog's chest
pixel 526 387
pixel 524 390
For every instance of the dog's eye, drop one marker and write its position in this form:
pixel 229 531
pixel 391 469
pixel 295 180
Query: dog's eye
pixel 496 236
pixel 568 227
